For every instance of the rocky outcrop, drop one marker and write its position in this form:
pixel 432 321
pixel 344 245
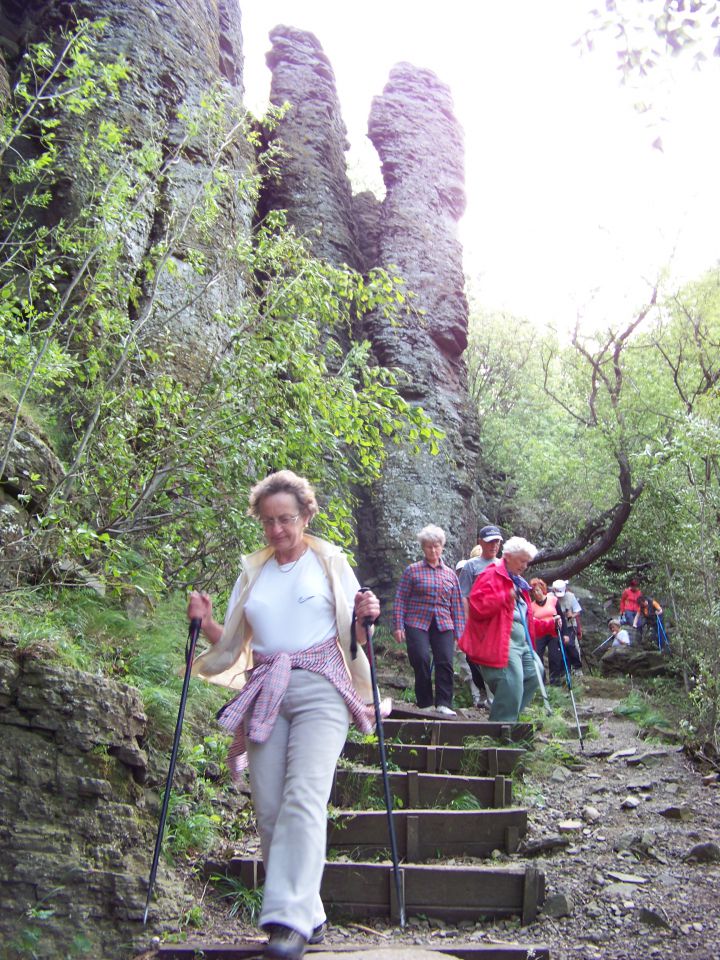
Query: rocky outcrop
pixel 635 662
pixel 176 52
pixel 414 228
pixel 29 472
pixel 76 839
pixel 313 186
pixel 4 83
pixel 420 145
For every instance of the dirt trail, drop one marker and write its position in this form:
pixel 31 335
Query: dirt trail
pixel 653 810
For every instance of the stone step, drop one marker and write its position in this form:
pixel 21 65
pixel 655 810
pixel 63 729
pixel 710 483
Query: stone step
pixel 424 835
pixel 436 759
pixel 364 788
pixel 450 893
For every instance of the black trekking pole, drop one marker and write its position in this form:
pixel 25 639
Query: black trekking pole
pixel 193 634
pixel 367 624
pixel 570 689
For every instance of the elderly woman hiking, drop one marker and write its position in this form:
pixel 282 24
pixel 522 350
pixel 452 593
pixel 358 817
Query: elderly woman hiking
pixel 501 628
pixel 288 628
pixel 428 616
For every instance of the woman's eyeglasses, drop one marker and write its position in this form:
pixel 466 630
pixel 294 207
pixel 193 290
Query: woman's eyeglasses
pixel 286 521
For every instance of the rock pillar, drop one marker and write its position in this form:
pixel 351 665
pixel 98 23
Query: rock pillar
pixel 313 186
pixel 420 144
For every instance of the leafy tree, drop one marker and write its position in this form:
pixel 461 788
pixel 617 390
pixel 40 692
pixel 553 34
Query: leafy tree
pixel 607 452
pixel 645 32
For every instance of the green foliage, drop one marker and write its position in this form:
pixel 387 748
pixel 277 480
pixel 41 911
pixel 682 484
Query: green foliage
pixel 363 792
pixel 30 942
pixel 244 903
pixel 193 827
pixel 357 736
pixel 193 917
pixel 161 442
pixel 465 801
pixel 637 707
pixel 88 632
pixel 212 750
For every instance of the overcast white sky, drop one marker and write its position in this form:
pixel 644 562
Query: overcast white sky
pixel 569 206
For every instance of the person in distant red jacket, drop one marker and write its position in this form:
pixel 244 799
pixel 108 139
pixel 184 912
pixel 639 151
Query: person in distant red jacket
pixel 501 629
pixel 630 602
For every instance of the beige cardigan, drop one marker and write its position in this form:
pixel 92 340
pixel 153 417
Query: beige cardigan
pixel 226 661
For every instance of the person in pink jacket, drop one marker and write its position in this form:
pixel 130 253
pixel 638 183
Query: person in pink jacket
pixel 501 629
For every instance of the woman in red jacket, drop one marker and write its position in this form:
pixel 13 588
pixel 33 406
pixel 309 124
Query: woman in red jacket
pixel 630 602
pixel 501 628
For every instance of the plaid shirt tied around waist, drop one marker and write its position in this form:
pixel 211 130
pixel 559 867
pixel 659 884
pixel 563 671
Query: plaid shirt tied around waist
pixel 266 687
pixel 425 592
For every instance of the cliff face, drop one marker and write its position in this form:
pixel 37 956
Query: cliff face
pixel 77 841
pixel 420 144
pixel 177 51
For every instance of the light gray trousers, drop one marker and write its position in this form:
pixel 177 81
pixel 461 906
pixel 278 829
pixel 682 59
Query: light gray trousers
pixel 291 777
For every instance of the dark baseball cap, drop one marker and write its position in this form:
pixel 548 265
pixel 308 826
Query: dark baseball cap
pixel 490 532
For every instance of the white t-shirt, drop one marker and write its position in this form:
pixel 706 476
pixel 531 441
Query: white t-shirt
pixel 621 639
pixel 291 606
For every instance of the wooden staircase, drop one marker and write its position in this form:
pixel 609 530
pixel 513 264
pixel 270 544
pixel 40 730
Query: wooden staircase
pixel 439 769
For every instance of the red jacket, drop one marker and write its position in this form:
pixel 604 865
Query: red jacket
pixel 486 639
pixel 630 600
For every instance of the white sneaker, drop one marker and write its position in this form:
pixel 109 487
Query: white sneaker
pixel 445 711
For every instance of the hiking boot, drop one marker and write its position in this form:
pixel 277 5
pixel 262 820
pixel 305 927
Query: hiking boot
pixel 318 934
pixel 284 943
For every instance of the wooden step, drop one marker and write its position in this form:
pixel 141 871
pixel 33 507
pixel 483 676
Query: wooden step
pixel 454 732
pixel 450 893
pixel 364 788
pixel 427 834
pixel 436 759
pixel 192 949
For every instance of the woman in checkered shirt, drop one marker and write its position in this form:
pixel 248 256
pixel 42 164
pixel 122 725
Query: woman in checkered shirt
pixel 428 617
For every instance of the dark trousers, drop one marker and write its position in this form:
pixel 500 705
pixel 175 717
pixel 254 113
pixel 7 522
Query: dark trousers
pixel 420 643
pixel 556 663
pixel 541 645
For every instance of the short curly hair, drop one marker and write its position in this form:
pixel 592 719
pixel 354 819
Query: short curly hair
pixel 519 545
pixel 431 534
pixel 284 481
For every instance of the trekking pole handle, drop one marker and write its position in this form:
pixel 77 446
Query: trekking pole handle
pixel 368 621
